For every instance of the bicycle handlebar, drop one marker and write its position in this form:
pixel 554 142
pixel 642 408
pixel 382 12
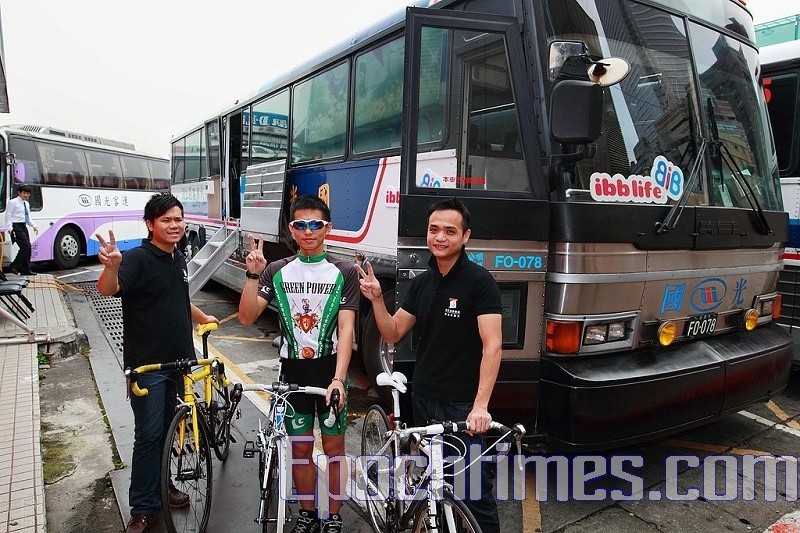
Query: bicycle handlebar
pixel 279 387
pixel 183 365
pixel 205 329
pixel 446 428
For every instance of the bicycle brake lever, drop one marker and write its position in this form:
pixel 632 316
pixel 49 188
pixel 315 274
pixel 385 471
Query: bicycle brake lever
pixel 333 415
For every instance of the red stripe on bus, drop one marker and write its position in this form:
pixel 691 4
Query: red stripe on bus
pixel 210 221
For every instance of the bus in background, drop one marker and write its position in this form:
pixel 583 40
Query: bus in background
pixel 80 185
pixel 780 73
pixel 615 156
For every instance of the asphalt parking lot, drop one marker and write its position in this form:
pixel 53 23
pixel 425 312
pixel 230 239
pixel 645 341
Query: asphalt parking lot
pixel 737 475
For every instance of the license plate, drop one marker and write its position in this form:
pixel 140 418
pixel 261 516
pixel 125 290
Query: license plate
pixel 700 325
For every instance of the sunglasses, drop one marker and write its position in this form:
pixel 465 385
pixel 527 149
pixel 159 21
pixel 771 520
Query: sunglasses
pixel 313 225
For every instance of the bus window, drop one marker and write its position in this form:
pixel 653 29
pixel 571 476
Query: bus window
pixel 192 156
pixel 30 171
pixel 63 165
pixel 269 127
pixel 433 85
pixel 212 141
pixel 782 105
pixel 492 149
pixel 378 103
pixel 319 116
pixel 136 173
pixel 178 161
pixel 105 169
pixel 159 170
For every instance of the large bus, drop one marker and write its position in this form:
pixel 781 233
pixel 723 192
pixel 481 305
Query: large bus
pixel 616 158
pixel 81 185
pixel 780 72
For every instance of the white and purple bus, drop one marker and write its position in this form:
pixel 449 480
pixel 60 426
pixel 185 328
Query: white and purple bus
pixel 81 185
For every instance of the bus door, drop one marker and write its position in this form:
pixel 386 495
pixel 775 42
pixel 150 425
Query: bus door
pixel 468 132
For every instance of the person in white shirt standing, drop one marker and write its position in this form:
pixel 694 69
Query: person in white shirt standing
pixel 18 217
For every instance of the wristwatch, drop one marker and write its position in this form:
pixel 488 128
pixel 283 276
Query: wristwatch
pixel 250 275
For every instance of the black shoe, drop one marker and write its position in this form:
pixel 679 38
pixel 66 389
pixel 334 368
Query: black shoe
pixel 12 270
pixel 29 273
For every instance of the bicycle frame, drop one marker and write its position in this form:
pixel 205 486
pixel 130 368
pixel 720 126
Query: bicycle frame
pixel 429 441
pixel 275 438
pixel 211 377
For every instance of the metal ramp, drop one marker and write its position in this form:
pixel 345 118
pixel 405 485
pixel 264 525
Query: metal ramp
pixel 211 257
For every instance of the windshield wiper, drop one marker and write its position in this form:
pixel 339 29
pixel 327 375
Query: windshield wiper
pixel 761 219
pixel 669 222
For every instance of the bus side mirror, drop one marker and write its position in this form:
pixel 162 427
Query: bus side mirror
pixel 576 111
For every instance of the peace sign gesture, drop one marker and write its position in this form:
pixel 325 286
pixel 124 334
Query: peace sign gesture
pixel 369 284
pixel 109 254
pixel 255 261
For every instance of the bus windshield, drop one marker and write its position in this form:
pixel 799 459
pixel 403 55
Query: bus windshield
pixel 657 113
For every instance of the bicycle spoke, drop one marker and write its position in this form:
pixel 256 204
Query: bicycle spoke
pixel 186 467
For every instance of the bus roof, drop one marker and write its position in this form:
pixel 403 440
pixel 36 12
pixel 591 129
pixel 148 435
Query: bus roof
pixel 389 23
pixel 85 141
pixel 779 53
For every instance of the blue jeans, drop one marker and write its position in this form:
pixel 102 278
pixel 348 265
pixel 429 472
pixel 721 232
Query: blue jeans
pixel 152 415
pixel 485 508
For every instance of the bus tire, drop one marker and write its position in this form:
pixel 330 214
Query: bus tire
pixel 67 248
pixel 378 355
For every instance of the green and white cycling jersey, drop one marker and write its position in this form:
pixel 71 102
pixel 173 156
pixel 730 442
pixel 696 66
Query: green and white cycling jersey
pixel 309 292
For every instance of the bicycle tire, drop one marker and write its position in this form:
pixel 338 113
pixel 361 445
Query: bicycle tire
pixel 377 476
pixel 452 516
pixel 272 519
pixel 188 467
pixel 219 421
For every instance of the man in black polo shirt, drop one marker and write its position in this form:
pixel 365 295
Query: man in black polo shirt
pixel 454 308
pixel 157 320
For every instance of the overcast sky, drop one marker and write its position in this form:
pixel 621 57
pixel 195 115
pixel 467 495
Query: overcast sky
pixel 145 71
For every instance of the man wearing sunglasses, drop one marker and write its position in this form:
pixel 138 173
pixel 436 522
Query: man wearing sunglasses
pixel 317 298
pixel 455 309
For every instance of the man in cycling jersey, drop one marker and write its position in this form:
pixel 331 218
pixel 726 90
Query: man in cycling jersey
pixel 455 309
pixel 157 328
pixel 317 299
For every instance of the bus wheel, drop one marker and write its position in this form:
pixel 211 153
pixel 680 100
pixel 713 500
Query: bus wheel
pixel 67 249
pixel 378 355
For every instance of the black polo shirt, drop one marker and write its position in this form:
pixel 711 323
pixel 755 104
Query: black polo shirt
pixel 449 346
pixel 156 314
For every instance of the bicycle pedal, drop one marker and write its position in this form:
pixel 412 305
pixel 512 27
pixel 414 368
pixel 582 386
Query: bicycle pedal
pixel 249 451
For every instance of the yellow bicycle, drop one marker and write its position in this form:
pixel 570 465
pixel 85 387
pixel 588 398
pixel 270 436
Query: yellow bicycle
pixel 201 422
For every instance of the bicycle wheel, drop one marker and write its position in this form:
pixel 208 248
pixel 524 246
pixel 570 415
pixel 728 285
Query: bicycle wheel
pixel 271 516
pixel 376 475
pixel 219 422
pixel 452 516
pixel 188 468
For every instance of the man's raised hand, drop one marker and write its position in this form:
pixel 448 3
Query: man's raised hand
pixel 109 254
pixel 255 261
pixel 369 284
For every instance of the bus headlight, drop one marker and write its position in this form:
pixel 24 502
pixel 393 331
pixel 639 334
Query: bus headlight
pixel 600 333
pixel 590 334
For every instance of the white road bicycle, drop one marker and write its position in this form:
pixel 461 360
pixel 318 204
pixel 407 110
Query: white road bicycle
pixel 272 448
pixel 399 494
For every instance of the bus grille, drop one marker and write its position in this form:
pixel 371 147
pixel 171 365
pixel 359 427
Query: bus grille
pixel 788 287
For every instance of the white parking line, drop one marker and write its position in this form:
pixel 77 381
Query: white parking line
pixel 78 273
pixel 771 423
